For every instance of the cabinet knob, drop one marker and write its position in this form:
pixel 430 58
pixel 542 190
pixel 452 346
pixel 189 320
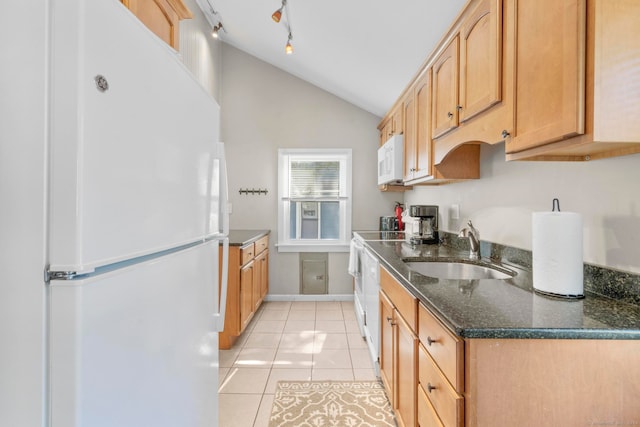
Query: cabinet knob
pixel 505 133
pixel 450 114
pixel 390 320
pixel 430 341
pixel 459 107
pixel 430 388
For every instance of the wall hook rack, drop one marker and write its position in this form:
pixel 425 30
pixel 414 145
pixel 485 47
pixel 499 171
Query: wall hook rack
pixel 253 191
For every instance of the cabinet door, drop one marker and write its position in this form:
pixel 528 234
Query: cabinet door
pixel 246 294
pixel 387 345
pixel 423 126
pixel 262 261
pixel 256 288
pixel 480 59
pixel 407 378
pixel 409 137
pixel 445 90
pixel 161 16
pixel 397 120
pixel 550 72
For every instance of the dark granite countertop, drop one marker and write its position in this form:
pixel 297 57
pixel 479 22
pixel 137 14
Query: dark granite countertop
pixel 490 308
pixel 244 237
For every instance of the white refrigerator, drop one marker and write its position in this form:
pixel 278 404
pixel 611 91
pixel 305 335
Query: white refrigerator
pixel 114 210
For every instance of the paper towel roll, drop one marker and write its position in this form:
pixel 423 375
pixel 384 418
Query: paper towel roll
pixel 557 253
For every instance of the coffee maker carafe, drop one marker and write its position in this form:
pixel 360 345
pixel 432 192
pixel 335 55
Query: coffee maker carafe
pixel 427 224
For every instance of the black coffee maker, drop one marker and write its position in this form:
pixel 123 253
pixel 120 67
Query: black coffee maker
pixel 427 216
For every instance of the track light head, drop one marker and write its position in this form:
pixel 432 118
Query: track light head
pixel 277 15
pixel 216 30
pixel 288 49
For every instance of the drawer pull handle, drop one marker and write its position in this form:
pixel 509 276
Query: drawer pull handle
pixel 430 341
pixel 430 388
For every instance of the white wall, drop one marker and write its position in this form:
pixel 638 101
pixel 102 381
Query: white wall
pixel 500 203
pixel 200 52
pixel 263 109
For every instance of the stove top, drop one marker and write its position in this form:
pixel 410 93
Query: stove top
pixel 381 235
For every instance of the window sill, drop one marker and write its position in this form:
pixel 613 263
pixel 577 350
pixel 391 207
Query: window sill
pixel 314 247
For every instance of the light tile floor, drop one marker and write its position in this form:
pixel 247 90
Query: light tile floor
pixel 289 341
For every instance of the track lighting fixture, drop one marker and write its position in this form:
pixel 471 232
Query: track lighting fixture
pixel 288 49
pixel 276 16
pixel 216 29
pixel 213 17
pixel 278 13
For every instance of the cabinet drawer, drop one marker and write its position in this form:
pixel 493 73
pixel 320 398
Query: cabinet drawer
pixel 247 253
pixel 447 403
pixel 405 303
pixel 427 416
pixel 262 244
pixel 446 349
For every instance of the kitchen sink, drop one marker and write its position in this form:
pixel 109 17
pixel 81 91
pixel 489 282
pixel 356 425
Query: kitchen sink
pixel 458 270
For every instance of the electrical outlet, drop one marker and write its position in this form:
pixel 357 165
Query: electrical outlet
pixel 454 211
pixel 229 208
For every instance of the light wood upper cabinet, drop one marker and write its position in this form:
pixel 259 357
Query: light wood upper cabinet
pixel 484 107
pixel 577 80
pixel 423 126
pixel 550 64
pixel 467 75
pixel 445 90
pixel 480 59
pixel 397 120
pixel 393 124
pixel 555 80
pixel 409 106
pixel 161 16
pixel 417 125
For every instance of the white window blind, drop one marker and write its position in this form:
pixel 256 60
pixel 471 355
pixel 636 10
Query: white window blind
pixel 314 178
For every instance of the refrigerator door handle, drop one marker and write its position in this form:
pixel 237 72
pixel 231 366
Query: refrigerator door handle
pixel 222 304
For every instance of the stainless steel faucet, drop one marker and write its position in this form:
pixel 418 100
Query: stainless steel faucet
pixel 474 239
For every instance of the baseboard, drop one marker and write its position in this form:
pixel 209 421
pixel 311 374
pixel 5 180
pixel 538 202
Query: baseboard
pixel 335 297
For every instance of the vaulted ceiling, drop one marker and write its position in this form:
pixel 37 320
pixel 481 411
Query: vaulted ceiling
pixel 363 51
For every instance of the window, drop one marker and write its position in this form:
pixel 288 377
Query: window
pixel 314 191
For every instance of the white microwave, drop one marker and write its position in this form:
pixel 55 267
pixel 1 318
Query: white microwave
pixel 390 161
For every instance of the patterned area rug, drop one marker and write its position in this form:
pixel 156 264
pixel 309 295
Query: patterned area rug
pixel 331 404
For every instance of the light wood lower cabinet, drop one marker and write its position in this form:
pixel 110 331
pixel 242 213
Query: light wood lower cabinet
pixel 436 378
pixel 535 382
pixel 441 368
pixel 247 274
pixel 260 278
pixel 398 353
pixel 248 284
